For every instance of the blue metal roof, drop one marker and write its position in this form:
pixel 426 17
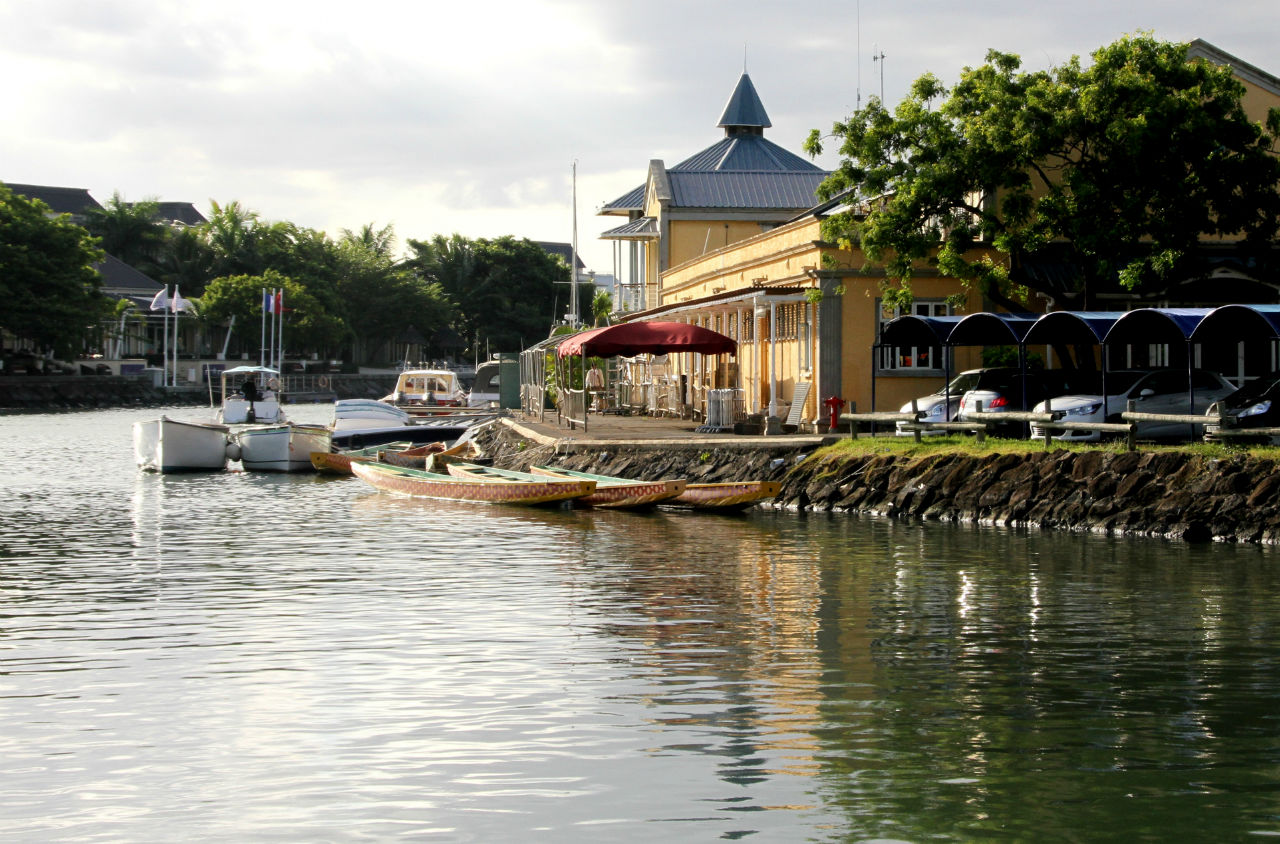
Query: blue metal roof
pixel 644 228
pixel 744 107
pixel 750 190
pixel 747 152
pixel 632 200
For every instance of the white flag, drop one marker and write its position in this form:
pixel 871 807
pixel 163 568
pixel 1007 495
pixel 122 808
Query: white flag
pixel 179 304
pixel 161 300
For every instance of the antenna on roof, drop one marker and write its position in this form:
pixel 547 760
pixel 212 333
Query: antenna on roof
pixel 879 57
pixel 859 39
pixel 744 57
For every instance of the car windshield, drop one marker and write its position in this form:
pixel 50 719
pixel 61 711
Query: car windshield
pixel 1121 380
pixel 1252 392
pixel 962 383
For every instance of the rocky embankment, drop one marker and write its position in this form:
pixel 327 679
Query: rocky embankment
pixel 1169 494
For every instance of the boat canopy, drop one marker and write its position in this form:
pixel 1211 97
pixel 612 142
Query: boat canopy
pixel 634 338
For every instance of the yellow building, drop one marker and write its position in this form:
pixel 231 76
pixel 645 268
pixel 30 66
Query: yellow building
pixel 730 239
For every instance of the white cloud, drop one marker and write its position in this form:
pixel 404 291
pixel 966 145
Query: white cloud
pixel 441 117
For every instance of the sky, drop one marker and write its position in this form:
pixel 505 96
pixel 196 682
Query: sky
pixel 469 118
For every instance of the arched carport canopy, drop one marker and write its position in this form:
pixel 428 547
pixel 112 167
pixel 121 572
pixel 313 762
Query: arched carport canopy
pixel 1158 325
pixel 1071 327
pixel 1226 323
pixel 1236 322
pixel 988 329
pixel 1143 325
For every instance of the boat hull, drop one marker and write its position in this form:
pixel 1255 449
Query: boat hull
pixel 618 493
pixel 281 448
pixel 420 484
pixel 726 496
pixel 174 445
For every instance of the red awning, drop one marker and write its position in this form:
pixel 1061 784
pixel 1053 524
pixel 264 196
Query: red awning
pixel 658 338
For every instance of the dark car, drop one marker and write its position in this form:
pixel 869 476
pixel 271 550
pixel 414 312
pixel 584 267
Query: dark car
pixel 1255 405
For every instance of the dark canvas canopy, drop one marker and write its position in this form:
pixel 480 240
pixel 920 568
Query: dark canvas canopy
pixel 658 338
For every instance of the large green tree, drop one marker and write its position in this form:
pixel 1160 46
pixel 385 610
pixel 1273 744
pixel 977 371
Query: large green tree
pixel 50 293
pixel 308 325
pixel 506 290
pixel 1120 169
pixel 386 302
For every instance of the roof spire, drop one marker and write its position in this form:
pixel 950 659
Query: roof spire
pixel 744 113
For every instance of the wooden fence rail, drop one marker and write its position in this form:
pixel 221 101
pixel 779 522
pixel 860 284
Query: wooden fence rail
pixel 977 422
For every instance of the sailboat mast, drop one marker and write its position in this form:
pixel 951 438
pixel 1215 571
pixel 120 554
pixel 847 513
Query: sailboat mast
pixel 574 317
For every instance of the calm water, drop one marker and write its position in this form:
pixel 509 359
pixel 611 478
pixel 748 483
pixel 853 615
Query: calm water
pixel 243 657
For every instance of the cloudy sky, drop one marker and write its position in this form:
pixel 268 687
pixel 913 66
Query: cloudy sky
pixel 467 117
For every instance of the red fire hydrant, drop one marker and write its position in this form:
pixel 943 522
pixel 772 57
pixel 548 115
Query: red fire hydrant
pixel 835 404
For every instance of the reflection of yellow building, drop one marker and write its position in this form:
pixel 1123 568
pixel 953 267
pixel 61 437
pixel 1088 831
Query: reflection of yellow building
pixel 731 239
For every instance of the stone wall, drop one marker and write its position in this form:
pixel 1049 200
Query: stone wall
pixel 1177 495
pixel 1169 494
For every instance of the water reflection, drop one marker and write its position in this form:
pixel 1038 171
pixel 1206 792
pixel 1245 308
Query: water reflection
pixel 262 656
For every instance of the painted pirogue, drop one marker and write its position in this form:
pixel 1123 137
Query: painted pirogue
pixel 617 493
pixel 420 484
pixel 734 495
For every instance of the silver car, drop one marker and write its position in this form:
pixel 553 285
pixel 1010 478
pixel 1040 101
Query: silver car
pixel 1152 390
pixel 933 407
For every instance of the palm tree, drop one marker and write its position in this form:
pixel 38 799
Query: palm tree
pixel 130 231
pixel 601 307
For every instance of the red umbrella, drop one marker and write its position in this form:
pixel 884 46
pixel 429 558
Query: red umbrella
pixel 658 338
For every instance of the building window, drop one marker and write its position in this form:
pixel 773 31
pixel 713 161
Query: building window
pixel 910 358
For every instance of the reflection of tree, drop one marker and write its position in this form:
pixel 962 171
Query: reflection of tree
pixel 1020 684
pixel 933 681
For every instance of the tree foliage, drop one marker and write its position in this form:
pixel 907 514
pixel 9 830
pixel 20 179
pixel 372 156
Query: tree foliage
pixel 51 292
pixel 1126 166
pixel 505 289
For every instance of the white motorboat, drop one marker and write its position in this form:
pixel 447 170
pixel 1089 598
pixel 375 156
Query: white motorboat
pixel 285 447
pixel 177 445
pixel 250 395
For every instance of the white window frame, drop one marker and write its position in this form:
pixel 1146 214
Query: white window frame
pixel 913 360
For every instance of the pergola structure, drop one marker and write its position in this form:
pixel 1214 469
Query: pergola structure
pixel 1106 329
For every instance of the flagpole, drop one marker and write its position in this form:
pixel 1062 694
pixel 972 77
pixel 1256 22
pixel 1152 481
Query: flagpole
pixel 271 346
pixel 164 370
pixel 262 338
pixel 280 333
pixel 173 305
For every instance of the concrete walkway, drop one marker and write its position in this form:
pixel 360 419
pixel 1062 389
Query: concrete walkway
pixel 653 431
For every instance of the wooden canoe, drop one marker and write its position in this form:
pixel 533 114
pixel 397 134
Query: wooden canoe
pixel 617 493
pixel 420 484
pixel 725 496
pixel 339 462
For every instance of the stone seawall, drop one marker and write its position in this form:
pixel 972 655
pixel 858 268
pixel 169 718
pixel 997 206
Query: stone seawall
pixel 1169 494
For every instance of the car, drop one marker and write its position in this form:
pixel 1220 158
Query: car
pixel 1153 391
pixel 933 406
pixel 1255 405
pixel 1006 389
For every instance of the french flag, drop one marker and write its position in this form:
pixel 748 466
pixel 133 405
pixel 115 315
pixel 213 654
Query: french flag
pixel 268 302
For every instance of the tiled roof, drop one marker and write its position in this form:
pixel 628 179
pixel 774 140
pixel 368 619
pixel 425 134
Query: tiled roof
pixel 181 212
pixel 74 201
pixel 752 190
pixel 119 277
